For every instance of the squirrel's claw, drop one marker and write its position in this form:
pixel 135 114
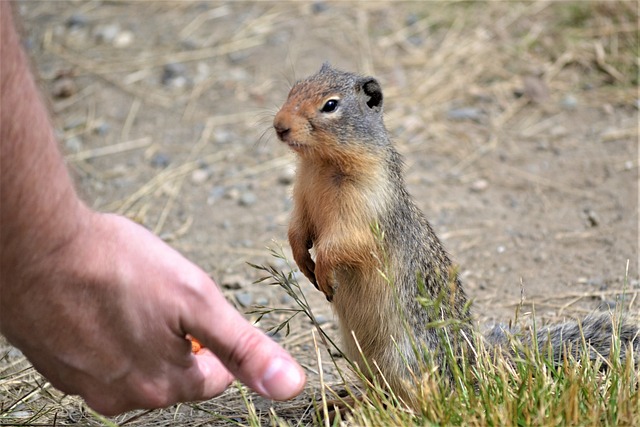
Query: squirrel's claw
pixel 326 286
pixel 308 269
pixel 314 282
pixel 306 265
pixel 311 268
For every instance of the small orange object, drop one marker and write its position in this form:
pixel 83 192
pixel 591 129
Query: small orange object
pixel 195 344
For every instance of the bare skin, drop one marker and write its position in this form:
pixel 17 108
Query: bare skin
pixel 97 303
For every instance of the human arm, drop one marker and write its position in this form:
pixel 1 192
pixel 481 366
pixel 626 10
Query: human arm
pixel 98 304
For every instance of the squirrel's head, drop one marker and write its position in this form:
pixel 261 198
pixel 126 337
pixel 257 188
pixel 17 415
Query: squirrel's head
pixel 331 112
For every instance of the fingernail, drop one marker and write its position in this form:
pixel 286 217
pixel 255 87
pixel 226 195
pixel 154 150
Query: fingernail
pixel 282 380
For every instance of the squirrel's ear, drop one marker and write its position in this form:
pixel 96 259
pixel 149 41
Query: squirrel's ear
pixel 326 66
pixel 372 92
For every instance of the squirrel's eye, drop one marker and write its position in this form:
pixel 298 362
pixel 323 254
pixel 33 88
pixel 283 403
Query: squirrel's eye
pixel 330 106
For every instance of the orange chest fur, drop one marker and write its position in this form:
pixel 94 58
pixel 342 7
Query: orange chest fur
pixel 334 203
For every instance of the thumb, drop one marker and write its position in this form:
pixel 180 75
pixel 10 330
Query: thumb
pixel 247 353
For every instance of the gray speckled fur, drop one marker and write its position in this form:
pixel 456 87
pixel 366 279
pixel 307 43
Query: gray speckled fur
pixel 570 337
pixel 419 266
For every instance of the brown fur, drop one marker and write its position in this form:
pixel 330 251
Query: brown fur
pixel 349 180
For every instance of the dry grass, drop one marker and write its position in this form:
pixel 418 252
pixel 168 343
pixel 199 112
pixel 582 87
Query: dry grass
pixel 524 388
pixel 433 55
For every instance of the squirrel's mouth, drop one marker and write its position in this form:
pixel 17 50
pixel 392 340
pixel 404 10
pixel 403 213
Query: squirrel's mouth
pixel 295 146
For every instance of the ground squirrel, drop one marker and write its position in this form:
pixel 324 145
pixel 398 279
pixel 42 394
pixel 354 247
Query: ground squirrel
pixel 376 257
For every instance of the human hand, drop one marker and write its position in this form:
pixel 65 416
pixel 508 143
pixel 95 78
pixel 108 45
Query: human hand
pixel 105 316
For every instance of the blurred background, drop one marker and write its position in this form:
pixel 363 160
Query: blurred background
pixel 518 122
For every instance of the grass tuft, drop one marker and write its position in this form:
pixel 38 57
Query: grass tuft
pixel 519 386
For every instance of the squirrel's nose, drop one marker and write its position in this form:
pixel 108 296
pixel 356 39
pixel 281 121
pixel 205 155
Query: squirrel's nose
pixel 281 129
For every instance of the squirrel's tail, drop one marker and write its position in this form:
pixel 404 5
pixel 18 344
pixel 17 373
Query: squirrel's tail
pixel 592 337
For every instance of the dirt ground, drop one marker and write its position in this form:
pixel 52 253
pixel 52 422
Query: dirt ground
pixel 518 123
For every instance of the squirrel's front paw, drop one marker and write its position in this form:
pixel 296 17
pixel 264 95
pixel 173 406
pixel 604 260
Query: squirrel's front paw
pixel 326 282
pixel 306 265
pixel 327 290
pixel 308 269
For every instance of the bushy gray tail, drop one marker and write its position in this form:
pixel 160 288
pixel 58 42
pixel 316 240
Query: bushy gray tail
pixel 592 337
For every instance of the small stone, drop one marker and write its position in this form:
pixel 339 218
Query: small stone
pixel 102 128
pixel 569 102
pixel 238 74
pixel 178 82
pixel 189 44
pixel 232 194
pixel 321 319
pixel 416 40
pixel 215 194
pixel 543 144
pixel 14 353
pixel 501 249
pixel 245 299
pixel 234 281
pixel 275 335
pixel 287 176
pixel 319 7
pixel 479 185
pixel 411 19
pixel 247 198
pixel 263 301
pixel 172 73
pixel 540 257
pixel 106 33
pixel 287 299
pixel 238 55
pixel 64 88
pixel 592 217
pixel 74 415
pixel 123 39
pixel 222 136
pixel 76 21
pixel 465 113
pixel 160 160
pixel 199 176
pixel 203 72
pixel 73 144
